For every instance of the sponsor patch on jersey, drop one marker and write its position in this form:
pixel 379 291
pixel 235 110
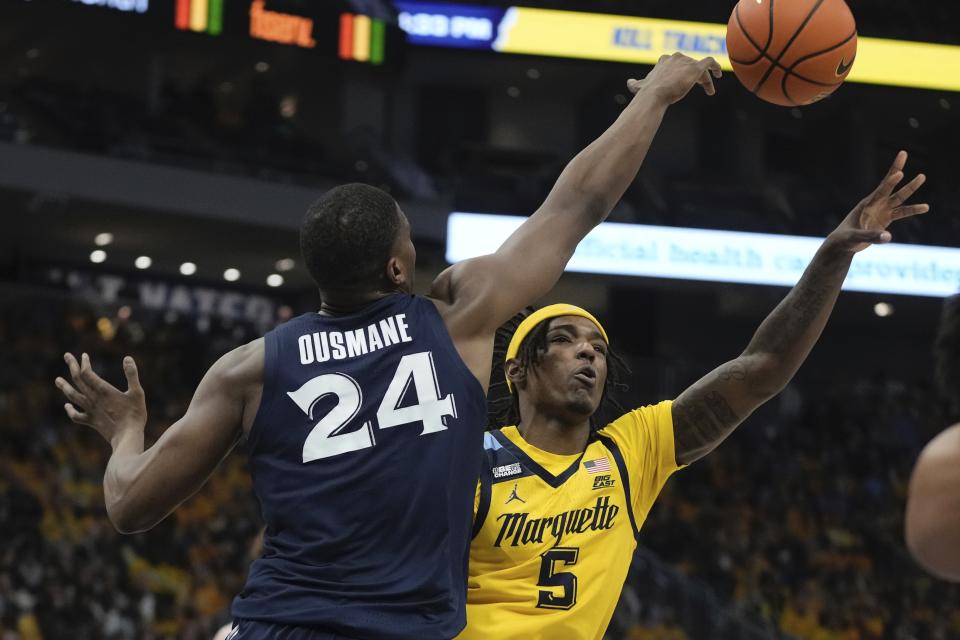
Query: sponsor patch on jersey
pixel 507 470
pixel 602 482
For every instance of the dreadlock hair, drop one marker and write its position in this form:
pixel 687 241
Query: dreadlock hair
pixel 348 235
pixel 503 405
pixel 947 354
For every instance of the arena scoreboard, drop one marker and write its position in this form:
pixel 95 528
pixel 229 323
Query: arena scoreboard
pixel 331 28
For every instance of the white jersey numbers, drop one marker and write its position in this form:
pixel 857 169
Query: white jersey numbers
pixel 328 439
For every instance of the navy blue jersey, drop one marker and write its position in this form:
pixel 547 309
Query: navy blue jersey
pixel 365 455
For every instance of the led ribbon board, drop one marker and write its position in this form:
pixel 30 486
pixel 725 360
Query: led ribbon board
pixel 450 25
pixel 127 6
pixel 362 38
pixel 199 15
pixel 595 36
pixel 721 256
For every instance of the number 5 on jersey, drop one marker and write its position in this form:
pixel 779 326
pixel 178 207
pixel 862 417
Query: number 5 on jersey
pixel 327 438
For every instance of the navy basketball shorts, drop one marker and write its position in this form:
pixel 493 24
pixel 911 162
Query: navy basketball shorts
pixel 256 630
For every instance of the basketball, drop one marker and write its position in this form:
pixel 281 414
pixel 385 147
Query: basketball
pixel 792 52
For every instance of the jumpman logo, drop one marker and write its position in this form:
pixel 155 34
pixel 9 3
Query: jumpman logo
pixel 514 496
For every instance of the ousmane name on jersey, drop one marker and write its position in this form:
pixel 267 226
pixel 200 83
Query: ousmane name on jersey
pixel 520 528
pixel 322 346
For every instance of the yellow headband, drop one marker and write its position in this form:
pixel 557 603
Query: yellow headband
pixel 546 313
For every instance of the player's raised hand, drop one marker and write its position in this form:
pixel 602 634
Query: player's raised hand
pixel 93 401
pixel 867 223
pixel 673 77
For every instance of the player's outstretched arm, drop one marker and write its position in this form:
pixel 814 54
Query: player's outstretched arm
pixel 485 292
pixel 141 487
pixel 706 413
pixel 932 522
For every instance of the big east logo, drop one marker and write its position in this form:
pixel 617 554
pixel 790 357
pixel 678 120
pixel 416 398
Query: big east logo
pixel 602 482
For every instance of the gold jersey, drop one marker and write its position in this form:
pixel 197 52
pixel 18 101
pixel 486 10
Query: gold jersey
pixel 554 535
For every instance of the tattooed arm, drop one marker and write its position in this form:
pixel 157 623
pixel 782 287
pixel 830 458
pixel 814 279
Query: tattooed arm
pixel 706 413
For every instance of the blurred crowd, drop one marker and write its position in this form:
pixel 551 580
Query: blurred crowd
pixel 64 571
pixel 798 519
pixel 792 529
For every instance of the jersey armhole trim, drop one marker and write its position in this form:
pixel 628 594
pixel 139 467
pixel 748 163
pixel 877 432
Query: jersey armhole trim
pixel 625 476
pixel 483 508
pixel 271 358
pixel 428 302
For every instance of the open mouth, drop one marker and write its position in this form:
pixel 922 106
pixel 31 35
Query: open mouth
pixel 586 375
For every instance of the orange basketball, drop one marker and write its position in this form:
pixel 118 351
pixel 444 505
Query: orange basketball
pixel 792 52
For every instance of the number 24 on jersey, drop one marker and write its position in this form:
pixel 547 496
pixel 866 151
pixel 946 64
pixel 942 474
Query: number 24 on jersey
pixel 327 438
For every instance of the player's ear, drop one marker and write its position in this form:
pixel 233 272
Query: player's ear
pixel 396 275
pixel 516 373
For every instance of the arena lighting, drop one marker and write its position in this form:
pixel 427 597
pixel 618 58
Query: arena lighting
pixel 721 256
pixel 98 256
pixel 143 262
pixel 188 268
pixel 285 264
pixel 274 280
pixel 595 36
pixel 231 275
pixel 883 309
pixel 103 239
